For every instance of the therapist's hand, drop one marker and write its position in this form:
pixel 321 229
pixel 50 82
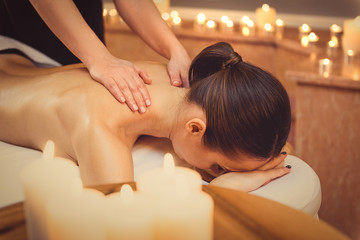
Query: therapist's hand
pixel 124 80
pixel 178 69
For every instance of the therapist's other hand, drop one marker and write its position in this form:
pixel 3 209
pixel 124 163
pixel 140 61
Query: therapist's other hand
pixel 248 181
pixel 178 69
pixel 124 80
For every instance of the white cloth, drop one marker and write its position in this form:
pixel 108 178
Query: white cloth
pixel 38 58
pixel 300 189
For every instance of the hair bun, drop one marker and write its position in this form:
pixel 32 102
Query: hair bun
pixel 234 59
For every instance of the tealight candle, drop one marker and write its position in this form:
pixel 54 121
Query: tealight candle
pixel 349 56
pixel 200 22
pixel 324 67
pixel 335 32
pixel 229 26
pixel 176 22
pixel 184 211
pixel 113 16
pixel 223 21
pixel 269 30
pixel 129 215
pixel 279 30
pixel 42 180
pixel 331 48
pixel 351 37
pixel 313 39
pixel 210 25
pixel 265 15
pixel 78 215
pixel 304 30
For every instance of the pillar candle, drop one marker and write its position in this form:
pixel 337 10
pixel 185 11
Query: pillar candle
pixel 304 31
pixel 183 210
pixel 43 179
pixel 210 26
pixel 351 35
pixel 77 215
pixel 129 215
pixel 264 15
pixel 335 34
pixel 324 67
pixel 279 30
pixel 223 22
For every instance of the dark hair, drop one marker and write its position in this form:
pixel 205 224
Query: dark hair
pixel 247 109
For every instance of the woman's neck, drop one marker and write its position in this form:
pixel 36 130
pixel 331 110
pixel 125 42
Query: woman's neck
pixel 164 113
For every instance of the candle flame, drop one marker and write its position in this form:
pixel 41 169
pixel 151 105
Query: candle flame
pixel 268 27
pixel 113 12
pixel 245 31
pixel 279 22
pixel 265 7
pixel 174 14
pixel 313 37
pixel 305 28
pixel 169 165
pixel 350 52
pixel 326 61
pixel 165 16
pixel 49 149
pixel 305 41
pixel 224 19
pixel 331 43
pixel 250 23
pixel 177 20
pixel 335 28
pixel 126 194
pixel 201 18
pixel 105 12
pixel 229 24
pixel 245 19
pixel 210 24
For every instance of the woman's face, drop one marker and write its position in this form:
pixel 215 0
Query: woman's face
pixel 214 162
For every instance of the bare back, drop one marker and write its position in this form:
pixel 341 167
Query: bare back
pixel 67 106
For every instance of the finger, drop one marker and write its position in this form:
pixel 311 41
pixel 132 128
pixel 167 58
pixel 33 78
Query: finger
pixel 128 96
pixel 175 79
pixel 277 172
pixel 143 74
pixel 137 87
pixel 114 90
pixel 145 94
pixel 274 162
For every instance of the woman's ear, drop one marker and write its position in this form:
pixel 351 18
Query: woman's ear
pixel 195 127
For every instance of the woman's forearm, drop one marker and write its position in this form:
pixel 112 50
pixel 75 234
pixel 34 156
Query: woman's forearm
pixel 66 22
pixel 144 18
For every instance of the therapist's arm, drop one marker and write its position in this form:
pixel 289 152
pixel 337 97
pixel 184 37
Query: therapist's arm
pixel 144 18
pixel 123 79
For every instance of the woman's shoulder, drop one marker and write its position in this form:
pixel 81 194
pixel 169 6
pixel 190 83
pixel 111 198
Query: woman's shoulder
pixel 156 71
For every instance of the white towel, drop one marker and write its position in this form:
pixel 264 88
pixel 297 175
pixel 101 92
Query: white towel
pixel 37 57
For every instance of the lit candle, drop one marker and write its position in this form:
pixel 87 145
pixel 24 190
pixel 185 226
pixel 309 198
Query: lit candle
pixel 129 215
pixel 349 57
pixel 165 16
pixel 269 30
pixel 324 67
pixel 210 25
pixel 229 27
pixel 199 22
pixel 304 30
pixel 313 39
pixel 184 211
pixel 78 215
pixel 351 37
pixel 223 21
pixel 279 31
pixel 113 16
pixel 42 180
pixel 265 15
pixel 335 32
pixel 176 22
pixel 305 41
pixel 331 48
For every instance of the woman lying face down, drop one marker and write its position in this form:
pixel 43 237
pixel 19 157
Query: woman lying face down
pixel 234 118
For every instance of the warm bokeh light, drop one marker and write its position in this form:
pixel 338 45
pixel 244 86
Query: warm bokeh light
pixel 265 7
